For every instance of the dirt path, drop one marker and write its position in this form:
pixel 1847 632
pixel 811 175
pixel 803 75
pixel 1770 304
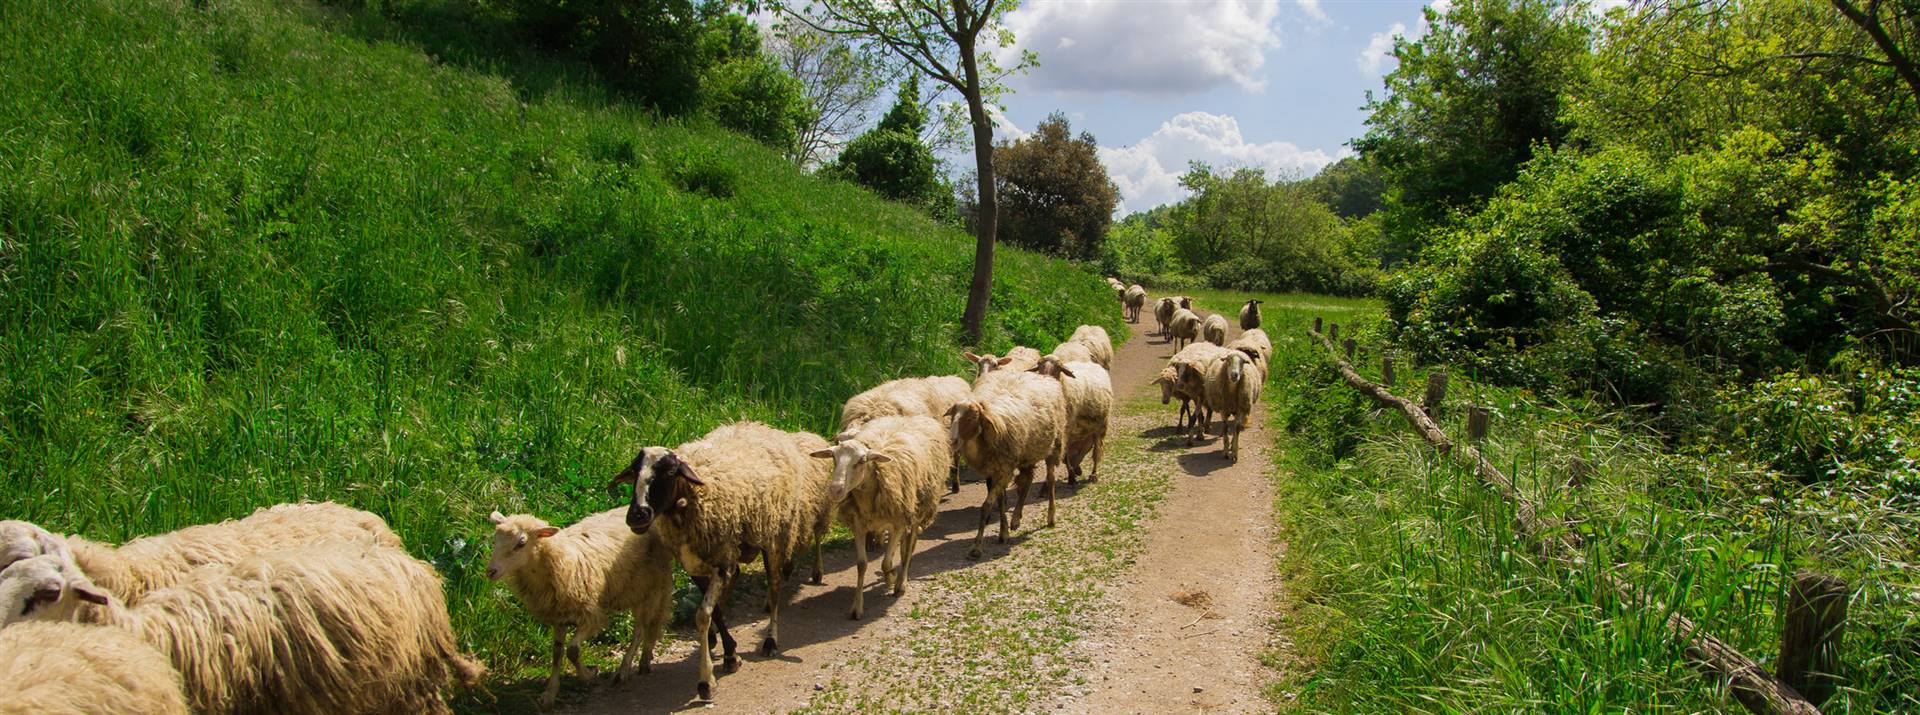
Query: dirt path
pixel 1209 536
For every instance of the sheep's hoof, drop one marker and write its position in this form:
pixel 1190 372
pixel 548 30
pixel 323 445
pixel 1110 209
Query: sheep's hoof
pixel 705 689
pixel 819 579
pixel 899 591
pixel 974 553
pixel 768 646
pixel 853 615
pixel 730 664
pixel 621 675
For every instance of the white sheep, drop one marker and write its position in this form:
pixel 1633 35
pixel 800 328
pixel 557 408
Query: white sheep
pixel 1135 299
pixel 1069 351
pixel 71 669
pixel 578 577
pixel 1185 326
pixel 1191 367
pixel 1099 344
pixel 1089 393
pixel 927 396
pixel 1214 329
pixel 1233 388
pixel 1019 359
pixel 1255 344
pixel 1163 313
pixel 1250 314
pixel 1014 420
pixel 886 479
pixel 743 490
pixel 132 569
pixel 330 629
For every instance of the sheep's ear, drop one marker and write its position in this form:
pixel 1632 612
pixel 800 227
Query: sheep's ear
pixel 1003 362
pixel 954 410
pixel 496 518
pixel 626 477
pixel 877 458
pixel 822 453
pixel 1065 371
pixel 971 357
pixel 546 532
pixel 89 593
pixel 686 472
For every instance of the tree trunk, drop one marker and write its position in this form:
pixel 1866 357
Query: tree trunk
pixel 989 210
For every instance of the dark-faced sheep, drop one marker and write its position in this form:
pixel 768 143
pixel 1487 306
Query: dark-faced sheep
pixel 1255 344
pixel 1014 421
pixel 744 490
pixel 1163 313
pixel 1250 314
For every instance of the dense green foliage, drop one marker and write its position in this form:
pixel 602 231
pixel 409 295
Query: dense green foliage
pixel 1055 195
pixel 891 159
pixel 1242 231
pixel 256 252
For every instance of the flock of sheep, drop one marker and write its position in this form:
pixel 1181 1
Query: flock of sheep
pixel 318 608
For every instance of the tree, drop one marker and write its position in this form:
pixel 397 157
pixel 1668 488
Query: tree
pixel 1352 186
pixel 942 41
pixel 840 83
pixel 890 159
pixel 1055 194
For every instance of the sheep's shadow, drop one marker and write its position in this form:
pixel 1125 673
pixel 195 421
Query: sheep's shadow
pixel 1200 464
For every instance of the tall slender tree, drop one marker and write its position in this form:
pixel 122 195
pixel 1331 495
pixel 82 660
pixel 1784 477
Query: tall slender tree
pixel 953 42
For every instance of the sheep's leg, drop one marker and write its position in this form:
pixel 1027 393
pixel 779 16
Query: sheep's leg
pixel 819 577
pixel 1051 491
pixel 772 642
pixel 1021 483
pixel 859 569
pixel 993 505
pixel 886 555
pixel 553 671
pixel 720 635
pixel 702 624
pixel 1099 451
pixel 908 539
pixel 573 653
pixel 642 634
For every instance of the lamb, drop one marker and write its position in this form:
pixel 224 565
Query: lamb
pixel 1018 359
pixel 1089 393
pixel 1186 327
pixel 330 629
pixel 743 490
pixel 886 479
pixel 1135 299
pixel 1255 344
pixel 1163 313
pixel 1250 314
pixel 1098 343
pixel 71 669
pixel 578 577
pixel 1014 420
pixel 1233 388
pixel 1215 329
pixel 142 565
pixel 1191 367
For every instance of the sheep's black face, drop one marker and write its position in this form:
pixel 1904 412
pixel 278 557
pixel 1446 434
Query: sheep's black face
pixel 639 478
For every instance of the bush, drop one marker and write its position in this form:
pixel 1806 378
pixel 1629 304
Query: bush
pixel 752 96
pixel 1861 428
pixel 649 50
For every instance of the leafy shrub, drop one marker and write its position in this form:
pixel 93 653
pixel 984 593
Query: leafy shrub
pixel 649 50
pixel 756 98
pixel 1861 428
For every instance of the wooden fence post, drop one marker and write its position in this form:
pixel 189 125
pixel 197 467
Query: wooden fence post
pixel 1436 392
pixel 1386 369
pixel 1478 421
pixel 1348 343
pixel 1333 332
pixel 1316 324
pixel 1810 638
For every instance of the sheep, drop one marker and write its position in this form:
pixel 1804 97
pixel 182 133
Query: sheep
pixel 1018 359
pixel 1255 344
pixel 133 569
pixel 1089 393
pixel 1118 287
pixel 1098 343
pixel 71 669
pixel 578 577
pixel 743 490
pixel 329 629
pixel 1250 314
pixel 1215 329
pixel 1014 420
pixel 1190 367
pixel 1163 313
pixel 1135 299
pixel 1186 327
pixel 1069 351
pixel 1233 388
pixel 886 478
pixel 928 396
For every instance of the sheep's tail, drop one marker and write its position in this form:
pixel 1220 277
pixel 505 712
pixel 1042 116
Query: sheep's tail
pixel 469 673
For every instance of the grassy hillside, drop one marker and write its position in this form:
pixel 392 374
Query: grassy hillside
pixel 249 257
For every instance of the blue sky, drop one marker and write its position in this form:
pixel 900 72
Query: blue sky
pixel 1277 84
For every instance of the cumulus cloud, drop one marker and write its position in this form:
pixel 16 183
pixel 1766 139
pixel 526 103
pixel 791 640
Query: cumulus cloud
pixel 1311 8
pixel 1373 59
pixel 1157 48
pixel 1148 172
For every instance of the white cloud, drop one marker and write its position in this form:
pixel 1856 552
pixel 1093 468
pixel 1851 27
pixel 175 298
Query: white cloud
pixel 1311 8
pixel 1148 172
pixel 1373 59
pixel 1158 48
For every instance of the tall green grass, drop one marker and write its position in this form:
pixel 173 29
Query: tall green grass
pixel 249 257
pixel 1410 590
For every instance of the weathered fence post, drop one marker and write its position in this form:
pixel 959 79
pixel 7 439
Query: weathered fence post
pixel 1478 419
pixel 1386 370
pixel 1316 324
pixel 1333 332
pixel 1810 638
pixel 1436 392
pixel 1348 343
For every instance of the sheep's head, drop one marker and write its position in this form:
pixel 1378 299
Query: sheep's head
pixel 1251 353
pixel 1168 379
pixel 662 483
pixel 853 464
pixel 512 535
pixel 20 540
pixel 988 363
pixel 1236 364
pixel 1053 367
pixel 1186 302
pixel 48 587
pixel 965 422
